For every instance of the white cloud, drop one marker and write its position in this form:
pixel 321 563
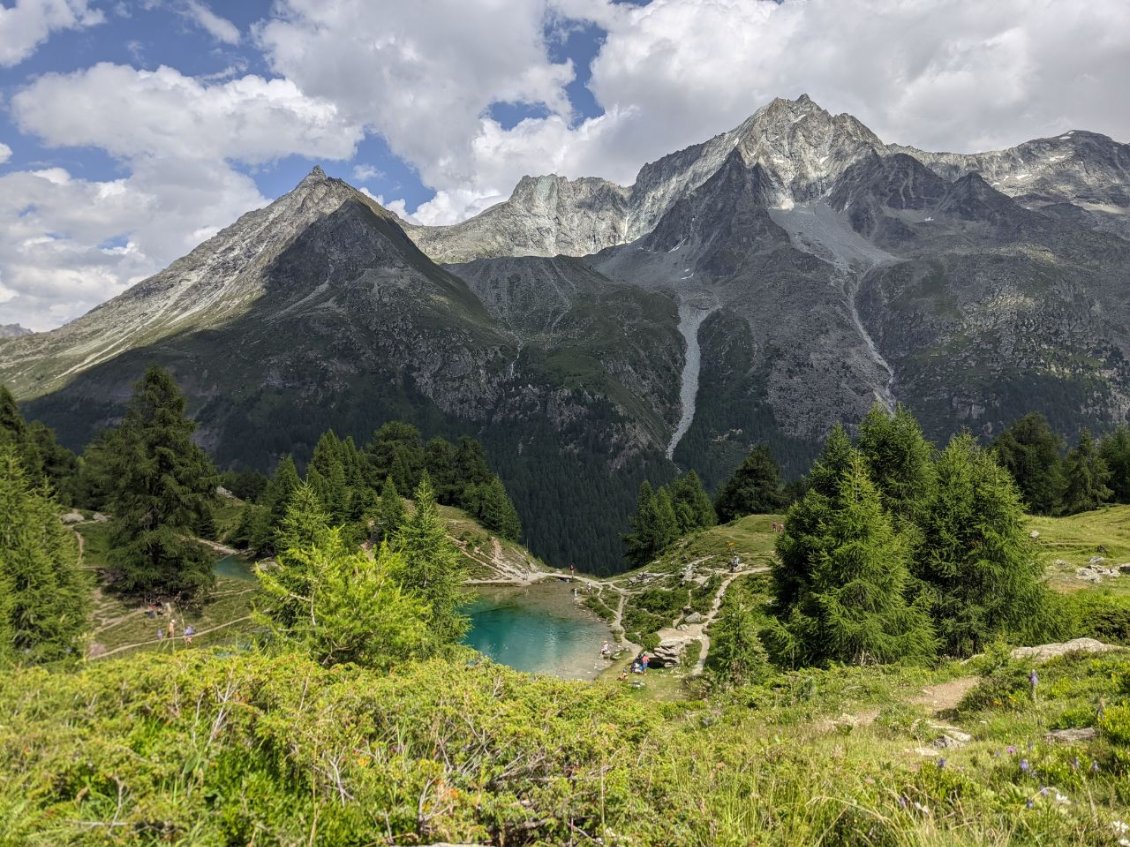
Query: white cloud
pixel 5 153
pixel 67 244
pixel 130 113
pixel 219 28
pixel 420 74
pixel 363 173
pixel 951 74
pixel 27 24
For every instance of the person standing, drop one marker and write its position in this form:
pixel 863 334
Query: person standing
pixel 189 631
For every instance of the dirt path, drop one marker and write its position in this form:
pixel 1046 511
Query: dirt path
pixel 945 696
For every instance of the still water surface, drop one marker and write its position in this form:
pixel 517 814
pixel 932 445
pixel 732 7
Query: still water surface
pixel 538 629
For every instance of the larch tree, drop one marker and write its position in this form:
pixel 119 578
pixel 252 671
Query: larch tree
pixel 849 600
pixel 983 573
pixel 433 568
pixel 754 488
pixel 1085 476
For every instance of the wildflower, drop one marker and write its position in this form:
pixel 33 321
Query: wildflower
pixel 1044 791
pixel 902 801
pixel 942 762
pixel 1024 766
pixel 1030 803
pixel 1075 763
pixel 1120 827
pixel 1062 798
pixel 1011 750
pixel 1094 767
pixel 923 809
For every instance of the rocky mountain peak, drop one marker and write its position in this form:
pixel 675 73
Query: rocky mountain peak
pixel 13 331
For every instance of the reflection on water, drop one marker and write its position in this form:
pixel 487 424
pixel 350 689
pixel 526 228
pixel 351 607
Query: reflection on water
pixel 538 629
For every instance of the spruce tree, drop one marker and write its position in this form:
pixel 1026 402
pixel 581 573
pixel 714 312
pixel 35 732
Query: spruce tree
pixel 1085 475
pixel 46 602
pixel 471 466
pixel 693 509
pixel 163 486
pixel 1030 451
pixel 433 569
pixel 275 501
pixel 14 431
pixel 984 576
pixel 755 488
pixel 288 582
pixel 850 603
pixel 1115 451
pixel 389 513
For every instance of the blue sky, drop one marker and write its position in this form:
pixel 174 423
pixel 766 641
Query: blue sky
pixel 131 130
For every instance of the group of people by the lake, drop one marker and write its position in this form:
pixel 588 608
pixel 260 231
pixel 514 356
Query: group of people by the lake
pixel 169 631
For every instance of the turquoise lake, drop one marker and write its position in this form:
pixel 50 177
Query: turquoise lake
pixel 538 629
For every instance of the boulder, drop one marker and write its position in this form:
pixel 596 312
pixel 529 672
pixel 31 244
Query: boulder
pixel 223 492
pixel 1034 534
pixel 1072 736
pixel 72 518
pixel 668 653
pixel 694 617
pixel 1124 568
pixel 1043 652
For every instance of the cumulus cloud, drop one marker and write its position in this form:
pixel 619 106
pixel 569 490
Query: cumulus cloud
pixel 67 244
pixel 27 24
pixel 5 153
pixel 363 173
pixel 420 74
pixel 130 112
pixel 951 75
pixel 219 28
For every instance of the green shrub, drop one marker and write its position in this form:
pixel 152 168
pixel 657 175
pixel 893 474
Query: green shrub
pixel 1101 615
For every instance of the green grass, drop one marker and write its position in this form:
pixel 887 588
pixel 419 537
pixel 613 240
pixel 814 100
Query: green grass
pixel 1071 542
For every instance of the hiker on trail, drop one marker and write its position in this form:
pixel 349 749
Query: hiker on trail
pixel 644 659
pixel 172 627
pixel 160 634
pixel 572 571
pixel 605 650
pixel 189 631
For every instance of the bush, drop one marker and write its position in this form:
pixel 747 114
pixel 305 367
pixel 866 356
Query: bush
pixel 1102 615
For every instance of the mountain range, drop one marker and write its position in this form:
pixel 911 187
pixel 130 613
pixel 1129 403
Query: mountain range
pixel 758 287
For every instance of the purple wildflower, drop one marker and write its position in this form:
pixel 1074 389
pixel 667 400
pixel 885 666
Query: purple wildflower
pixel 1044 791
pixel 1024 766
pixel 942 762
pixel 1030 804
pixel 1011 750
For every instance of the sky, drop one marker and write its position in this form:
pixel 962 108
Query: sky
pixel 132 130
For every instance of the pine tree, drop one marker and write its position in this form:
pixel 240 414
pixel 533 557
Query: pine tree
pixel 654 526
pixel 984 577
pixel 389 513
pixel 1085 477
pixel 433 568
pixel 899 461
pixel 755 488
pixel 1115 450
pixel 471 466
pixel 1030 452
pixel 163 488
pixel 850 600
pixel 45 602
pixel 693 509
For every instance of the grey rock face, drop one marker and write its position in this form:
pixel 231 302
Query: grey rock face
pixel 13 331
